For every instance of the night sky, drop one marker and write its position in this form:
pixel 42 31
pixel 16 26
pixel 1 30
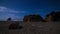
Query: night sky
pixel 16 9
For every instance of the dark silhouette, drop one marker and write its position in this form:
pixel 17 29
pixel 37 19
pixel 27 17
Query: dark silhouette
pixel 57 16
pixel 9 19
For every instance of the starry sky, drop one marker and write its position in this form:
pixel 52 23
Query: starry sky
pixel 17 9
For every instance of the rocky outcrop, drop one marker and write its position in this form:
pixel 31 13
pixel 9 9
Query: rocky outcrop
pixel 32 18
pixel 53 16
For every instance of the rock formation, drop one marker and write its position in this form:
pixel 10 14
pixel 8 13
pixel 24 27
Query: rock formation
pixel 53 16
pixel 32 18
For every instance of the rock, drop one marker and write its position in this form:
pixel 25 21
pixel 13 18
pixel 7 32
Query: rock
pixel 53 16
pixel 32 18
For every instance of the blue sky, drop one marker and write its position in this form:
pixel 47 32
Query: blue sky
pixel 16 9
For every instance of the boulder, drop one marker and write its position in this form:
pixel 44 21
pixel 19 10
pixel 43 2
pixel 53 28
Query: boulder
pixel 32 18
pixel 53 17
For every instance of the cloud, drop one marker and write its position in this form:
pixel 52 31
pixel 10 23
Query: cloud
pixel 4 9
pixel 6 13
pixel 7 10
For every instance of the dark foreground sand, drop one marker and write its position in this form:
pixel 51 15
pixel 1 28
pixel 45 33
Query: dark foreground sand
pixel 32 28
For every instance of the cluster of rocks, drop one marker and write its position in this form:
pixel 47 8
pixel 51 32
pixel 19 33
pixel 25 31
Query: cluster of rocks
pixel 53 16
